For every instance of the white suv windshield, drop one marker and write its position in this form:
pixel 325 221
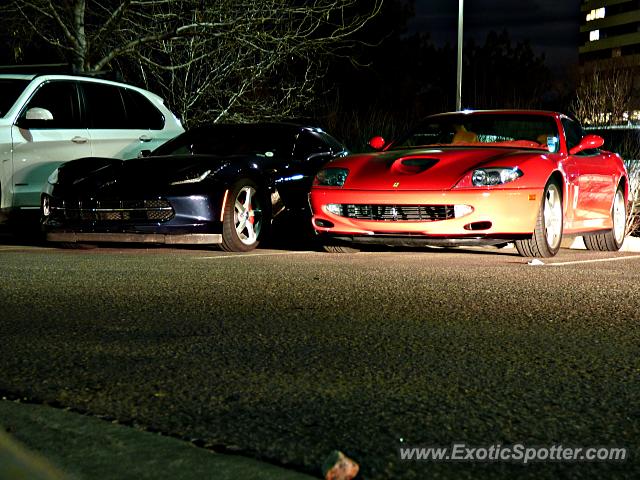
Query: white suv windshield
pixel 11 89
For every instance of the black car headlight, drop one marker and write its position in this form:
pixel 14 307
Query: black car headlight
pixel 331 177
pixel 192 178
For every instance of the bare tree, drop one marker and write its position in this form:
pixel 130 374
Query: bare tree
pixel 633 221
pixel 213 60
pixel 628 146
pixel 603 96
pixel 603 99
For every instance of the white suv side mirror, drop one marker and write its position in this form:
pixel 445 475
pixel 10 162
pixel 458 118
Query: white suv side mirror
pixel 37 113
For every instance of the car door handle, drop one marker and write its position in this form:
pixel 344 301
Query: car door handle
pixel 145 138
pixel 79 140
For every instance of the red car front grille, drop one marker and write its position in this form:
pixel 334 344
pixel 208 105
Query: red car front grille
pixel 394 213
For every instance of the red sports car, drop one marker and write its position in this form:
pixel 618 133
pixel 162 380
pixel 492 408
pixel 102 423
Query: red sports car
pixel 476 178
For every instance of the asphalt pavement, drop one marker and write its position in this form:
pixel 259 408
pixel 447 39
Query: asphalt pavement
pixel 284 356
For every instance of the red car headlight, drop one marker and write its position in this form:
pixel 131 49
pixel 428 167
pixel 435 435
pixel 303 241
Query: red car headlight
pixel 490 177
pixel 331 177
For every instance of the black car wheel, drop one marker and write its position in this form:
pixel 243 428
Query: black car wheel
pixel 547 235
pixel 245 216
pixel 333 247
pixel 76 245
pixel 612 240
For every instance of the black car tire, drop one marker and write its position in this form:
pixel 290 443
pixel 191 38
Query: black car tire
pixel 339 248
pixel 245 219
pixel 612 240
pixel 549 223
pixel 76 245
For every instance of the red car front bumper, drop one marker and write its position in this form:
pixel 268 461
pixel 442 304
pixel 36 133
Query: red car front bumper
pixel 497 213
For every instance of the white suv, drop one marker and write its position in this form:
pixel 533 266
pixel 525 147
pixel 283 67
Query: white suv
pixel 48 119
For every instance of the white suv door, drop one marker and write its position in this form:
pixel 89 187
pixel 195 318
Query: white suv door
pixel 122 121
pixel 49 119
pixel 48 131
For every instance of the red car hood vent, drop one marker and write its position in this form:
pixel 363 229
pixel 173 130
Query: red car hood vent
pixel 421 169
pixel 412 165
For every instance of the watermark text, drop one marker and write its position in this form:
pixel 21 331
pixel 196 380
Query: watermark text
pixel 516 453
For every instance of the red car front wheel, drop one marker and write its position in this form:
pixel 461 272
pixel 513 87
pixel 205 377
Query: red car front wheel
pixel 547 235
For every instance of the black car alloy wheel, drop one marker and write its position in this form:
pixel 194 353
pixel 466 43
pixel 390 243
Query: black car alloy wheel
pixel 244 217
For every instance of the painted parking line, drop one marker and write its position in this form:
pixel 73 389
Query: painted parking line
pixel 245 255
pixel 613 259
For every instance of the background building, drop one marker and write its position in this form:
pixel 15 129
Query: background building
pixel 610 32
pixel 610 60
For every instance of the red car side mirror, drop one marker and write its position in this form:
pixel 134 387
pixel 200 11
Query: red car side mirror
pixel 377 143
pixel 588 142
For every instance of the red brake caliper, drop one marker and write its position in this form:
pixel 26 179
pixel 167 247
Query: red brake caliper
pixel 251 214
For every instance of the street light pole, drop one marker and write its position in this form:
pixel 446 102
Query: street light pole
pixel 459 79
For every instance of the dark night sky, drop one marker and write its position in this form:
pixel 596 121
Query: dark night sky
pixel 551 26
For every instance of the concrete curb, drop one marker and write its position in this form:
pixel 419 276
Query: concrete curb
pixel 17 462
pixel 85 447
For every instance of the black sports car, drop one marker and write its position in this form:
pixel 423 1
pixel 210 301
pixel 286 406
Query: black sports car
pixel 219 184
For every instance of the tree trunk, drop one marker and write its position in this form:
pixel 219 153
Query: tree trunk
pixel 80 57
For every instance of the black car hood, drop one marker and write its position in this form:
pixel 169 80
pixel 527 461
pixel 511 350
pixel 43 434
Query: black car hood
pixel 113 176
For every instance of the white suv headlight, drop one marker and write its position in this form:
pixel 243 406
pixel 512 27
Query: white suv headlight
pixel 53 178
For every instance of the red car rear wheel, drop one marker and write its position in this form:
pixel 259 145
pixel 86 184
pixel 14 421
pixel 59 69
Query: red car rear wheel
pixel 612 240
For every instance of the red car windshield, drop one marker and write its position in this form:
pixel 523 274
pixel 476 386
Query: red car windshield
pixel 484 130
